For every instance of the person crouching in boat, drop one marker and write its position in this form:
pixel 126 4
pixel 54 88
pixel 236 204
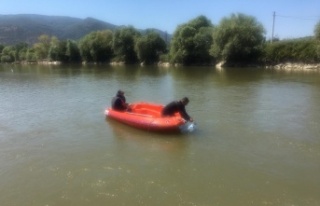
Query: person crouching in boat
pixel 177 106
pixel 119 102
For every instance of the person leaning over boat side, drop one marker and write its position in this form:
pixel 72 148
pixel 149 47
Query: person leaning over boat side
pixel 119 102
pixel 177 106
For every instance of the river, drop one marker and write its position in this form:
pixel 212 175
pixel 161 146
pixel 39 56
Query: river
pixel 257 140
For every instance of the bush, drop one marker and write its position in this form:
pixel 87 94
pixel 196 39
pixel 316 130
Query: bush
pixel 7 59
pixel 295 51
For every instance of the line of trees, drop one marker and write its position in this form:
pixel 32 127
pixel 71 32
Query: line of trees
pixel 126 45
pixel 237 40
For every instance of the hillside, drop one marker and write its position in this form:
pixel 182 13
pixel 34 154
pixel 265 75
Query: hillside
pixel 28 27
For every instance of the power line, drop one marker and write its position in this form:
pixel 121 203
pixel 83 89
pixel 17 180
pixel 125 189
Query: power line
pixel 311 18
pixel 305 18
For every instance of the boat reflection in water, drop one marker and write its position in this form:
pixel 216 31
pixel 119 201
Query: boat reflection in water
pixel 161 142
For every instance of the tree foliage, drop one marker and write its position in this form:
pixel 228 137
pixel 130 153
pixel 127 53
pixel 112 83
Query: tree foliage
pixel 7 55
pixel 298 50
pixel 149 47
pixel 31 55
pixel 1 48
pixel 57 51
pixel 317 35
pixel 238 39
pixel 21 51
pixel 97 46
pixel 317 31
pixel 124 45
pixel 191 42
pixel 13 53
pixel 73 52
pixel 42 47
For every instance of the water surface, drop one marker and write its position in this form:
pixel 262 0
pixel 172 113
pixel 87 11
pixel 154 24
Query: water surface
pixel 257 142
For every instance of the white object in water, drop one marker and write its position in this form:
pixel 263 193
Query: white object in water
pixel 188 127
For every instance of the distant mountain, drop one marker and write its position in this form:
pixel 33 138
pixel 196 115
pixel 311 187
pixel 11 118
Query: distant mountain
pixel 28 27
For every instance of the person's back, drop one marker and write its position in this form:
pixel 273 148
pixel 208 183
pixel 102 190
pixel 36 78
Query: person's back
pixel 177 106
pixel 171 108
pixel 119 102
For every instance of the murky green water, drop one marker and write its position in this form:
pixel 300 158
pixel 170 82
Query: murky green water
pixel 257 143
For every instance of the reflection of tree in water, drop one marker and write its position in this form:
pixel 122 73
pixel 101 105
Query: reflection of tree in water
pixel 192 73
pixel 235 76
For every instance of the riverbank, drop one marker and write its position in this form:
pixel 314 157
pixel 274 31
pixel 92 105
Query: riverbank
pixel 295 67
pixel 288 66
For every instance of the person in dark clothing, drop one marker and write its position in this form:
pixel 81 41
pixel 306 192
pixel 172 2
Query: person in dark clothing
pixel 177 106
pixel 119 102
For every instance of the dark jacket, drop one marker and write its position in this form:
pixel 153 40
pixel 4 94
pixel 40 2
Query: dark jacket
pixel 173 107
pixel 119 103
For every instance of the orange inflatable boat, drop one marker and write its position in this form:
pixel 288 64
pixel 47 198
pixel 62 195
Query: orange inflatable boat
pixel 147 116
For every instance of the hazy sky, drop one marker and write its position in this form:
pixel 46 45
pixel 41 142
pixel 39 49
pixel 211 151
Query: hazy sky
pixel 294 18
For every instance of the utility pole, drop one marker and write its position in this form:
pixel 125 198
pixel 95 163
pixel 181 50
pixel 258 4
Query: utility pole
pixel 274 19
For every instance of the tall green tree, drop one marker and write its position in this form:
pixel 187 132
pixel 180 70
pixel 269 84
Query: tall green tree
pixel 317 31
pixel 191 42
pixel 8 54
pixel 31 55
pixel 42 47
pixel 57 51
pixel 97 46
pixel 124 44
pixel 20 51
pixel 73 52
pixel 1 48
pixel 317 35
pixel 149 48
pixel 238 39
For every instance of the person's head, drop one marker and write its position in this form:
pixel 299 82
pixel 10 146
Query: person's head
pixel 185 100
pixel 120 92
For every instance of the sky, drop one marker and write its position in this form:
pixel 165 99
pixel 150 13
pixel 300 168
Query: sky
pixel 293 18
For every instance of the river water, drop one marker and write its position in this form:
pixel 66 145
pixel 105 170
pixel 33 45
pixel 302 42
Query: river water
pixel 257 140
